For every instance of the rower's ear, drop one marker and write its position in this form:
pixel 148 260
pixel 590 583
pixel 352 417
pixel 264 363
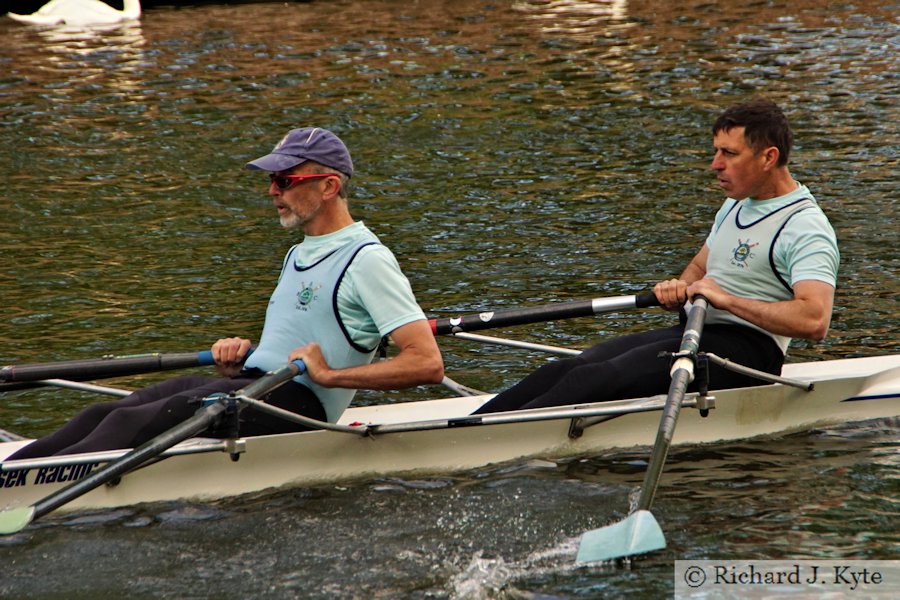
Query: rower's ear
pixel 331 187
pixel 770 155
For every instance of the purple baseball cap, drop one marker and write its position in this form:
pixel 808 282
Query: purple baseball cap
pixel 307 143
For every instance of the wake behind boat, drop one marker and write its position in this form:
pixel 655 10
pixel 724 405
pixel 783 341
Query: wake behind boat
pixel 439 436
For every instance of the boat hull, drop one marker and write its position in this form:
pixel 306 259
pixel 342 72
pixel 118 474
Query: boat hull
pixel 845 391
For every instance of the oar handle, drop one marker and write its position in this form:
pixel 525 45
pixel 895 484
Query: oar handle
pixel 101 368
pixel 646 300
pixel 538 314
pixel 272 379
pixel 18 377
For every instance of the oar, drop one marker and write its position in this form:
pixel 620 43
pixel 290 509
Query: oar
pixel 537 314
pixel 11 376
pixel 639 532
pixel 16 519
pixel 101 368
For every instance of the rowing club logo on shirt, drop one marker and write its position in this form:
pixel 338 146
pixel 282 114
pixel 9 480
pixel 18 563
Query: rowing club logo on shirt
pixel 743 253
pixel 307 295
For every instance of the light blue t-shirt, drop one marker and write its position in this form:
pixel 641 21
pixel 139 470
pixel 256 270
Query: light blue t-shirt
pixel 375 297
pixel 372 298
pixel 760 249
pixel 807 247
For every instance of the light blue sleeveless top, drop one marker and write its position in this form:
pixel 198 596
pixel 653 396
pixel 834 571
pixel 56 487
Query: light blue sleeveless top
pixel 759 249
pixel 303 309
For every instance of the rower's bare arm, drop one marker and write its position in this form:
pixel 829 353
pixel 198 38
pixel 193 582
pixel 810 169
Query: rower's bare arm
pixel 418 362
pixel 672 293
pixel 807 315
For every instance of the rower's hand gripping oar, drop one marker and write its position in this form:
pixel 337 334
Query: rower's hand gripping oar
pixel 639 532
pixel 15 519
pixel 539 314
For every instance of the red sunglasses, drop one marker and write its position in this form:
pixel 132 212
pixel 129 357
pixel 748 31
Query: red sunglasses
pixel 286 182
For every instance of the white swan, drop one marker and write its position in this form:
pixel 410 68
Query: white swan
pixel 80 12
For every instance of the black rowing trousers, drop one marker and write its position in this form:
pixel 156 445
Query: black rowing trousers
pixel 144 414
pixel 629 367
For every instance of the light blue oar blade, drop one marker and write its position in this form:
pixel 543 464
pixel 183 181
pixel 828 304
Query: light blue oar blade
pixel 637 534
pixel 14 520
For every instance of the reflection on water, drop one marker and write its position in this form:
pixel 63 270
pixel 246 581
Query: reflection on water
pixel 510 154
pixel 87 52
pixel 115 36
pixel 579 19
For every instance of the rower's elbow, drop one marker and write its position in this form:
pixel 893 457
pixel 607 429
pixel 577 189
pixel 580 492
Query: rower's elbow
pixel 818 336
pixel 427 369
pixel 818 330
pixel 433 372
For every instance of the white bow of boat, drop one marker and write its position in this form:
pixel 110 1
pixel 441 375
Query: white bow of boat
pixel 80 13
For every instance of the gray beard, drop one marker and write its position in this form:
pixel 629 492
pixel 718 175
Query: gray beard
pixel 290 221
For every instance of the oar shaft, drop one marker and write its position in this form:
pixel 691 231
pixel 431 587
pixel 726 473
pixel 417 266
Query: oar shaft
pixel 272 380
pixel 100 368
pixel 538 314
pixel 669 418
pixel 682 376
pixel 132 460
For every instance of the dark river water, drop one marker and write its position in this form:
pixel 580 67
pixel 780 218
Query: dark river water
pixel 510 153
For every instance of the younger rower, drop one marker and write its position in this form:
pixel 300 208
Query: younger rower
pixel 768 268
